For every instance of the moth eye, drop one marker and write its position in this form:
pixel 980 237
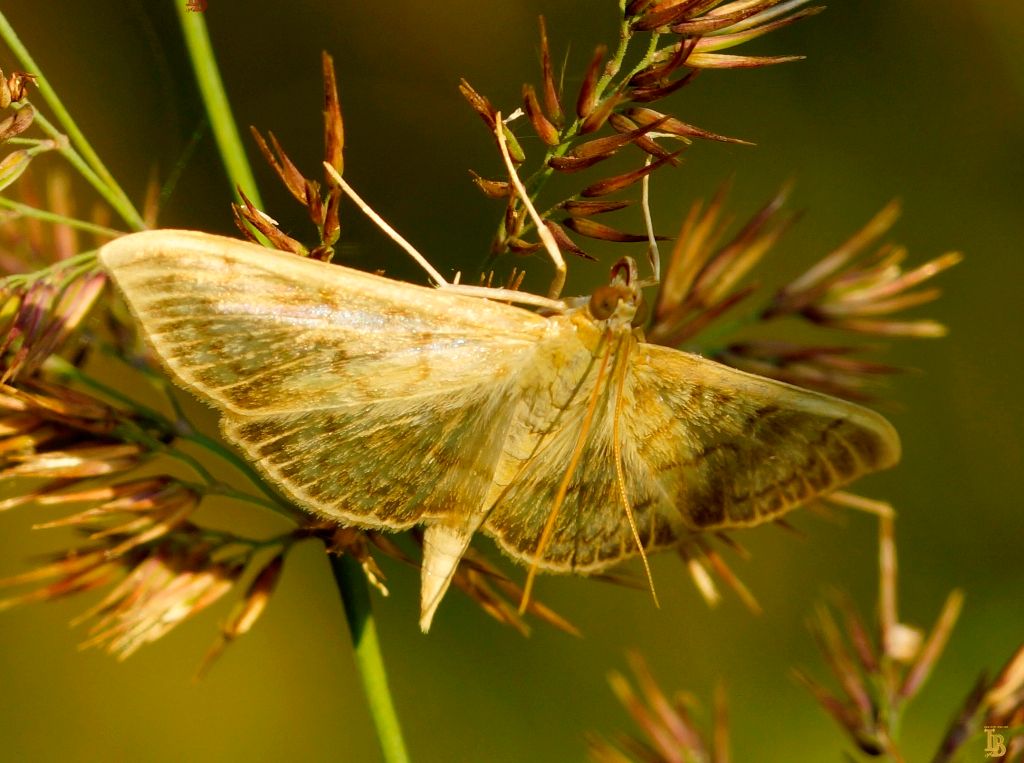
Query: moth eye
pixel 603 302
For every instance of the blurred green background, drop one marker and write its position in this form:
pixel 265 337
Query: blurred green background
pixel 921 99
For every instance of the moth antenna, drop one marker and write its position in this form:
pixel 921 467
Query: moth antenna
pixel 620 476
pixel 558 282
pixel 653 252
pixel 563 488
pixel 387 229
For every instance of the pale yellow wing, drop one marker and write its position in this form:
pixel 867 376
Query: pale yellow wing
pixel 387 464
pixel 258 331
pixel 703 446
pixel 730 449
pixel 365 399
pixel 591 530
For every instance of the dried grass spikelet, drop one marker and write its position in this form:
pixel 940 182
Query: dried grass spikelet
pixel 38 318
pixel 690 38
pixel 851 288
pixel 59 436
pixel 14 87
pixel 669 730
pixel 709 273
pixel 996 705
pixel 246 611
pixel 877 676
pixel 41 311
pixel 162 569
pixel 321 205
pixel 13 92
pixel 62 448
pixel 139 529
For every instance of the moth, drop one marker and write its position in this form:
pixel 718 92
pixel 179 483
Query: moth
pixel 562 435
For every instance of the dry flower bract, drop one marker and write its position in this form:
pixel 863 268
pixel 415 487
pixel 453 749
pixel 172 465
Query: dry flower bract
pixel 877 678
pixel 567 438
pixel 681 39
pixel 670 731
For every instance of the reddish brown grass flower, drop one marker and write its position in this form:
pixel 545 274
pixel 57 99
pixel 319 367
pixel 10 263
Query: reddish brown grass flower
pixel 690 36
pixel 708 277
pixel 669 731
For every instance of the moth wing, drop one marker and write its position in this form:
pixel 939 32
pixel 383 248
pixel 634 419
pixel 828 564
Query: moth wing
pixel 367 400
pixel 731 449
pixel 388 464
pixel 260 332
pixel 703 446
pixel 591 530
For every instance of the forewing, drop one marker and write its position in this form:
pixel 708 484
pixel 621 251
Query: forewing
pixel 365 399
pixel 389 463
pixel 729 449
pixel 257 331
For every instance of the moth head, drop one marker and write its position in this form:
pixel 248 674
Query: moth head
pixel 620 299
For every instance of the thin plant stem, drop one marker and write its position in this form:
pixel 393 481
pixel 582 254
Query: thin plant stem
pixel 110 195
pixel 51 217
pixel 211 87
pixel 226 454
pixel 67 270
pixel 355 597
pixel 81 166
pixel 348 575
pixel 223 489
pixel 102 180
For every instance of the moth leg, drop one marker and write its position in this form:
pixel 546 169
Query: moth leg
pixel 390 232
pixel 507 295
pixel 558 282
pixel 510 295
pixel 653 253
pixel 443 547
pixel 563 488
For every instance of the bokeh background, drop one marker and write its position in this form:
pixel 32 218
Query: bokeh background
pixel 921 99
